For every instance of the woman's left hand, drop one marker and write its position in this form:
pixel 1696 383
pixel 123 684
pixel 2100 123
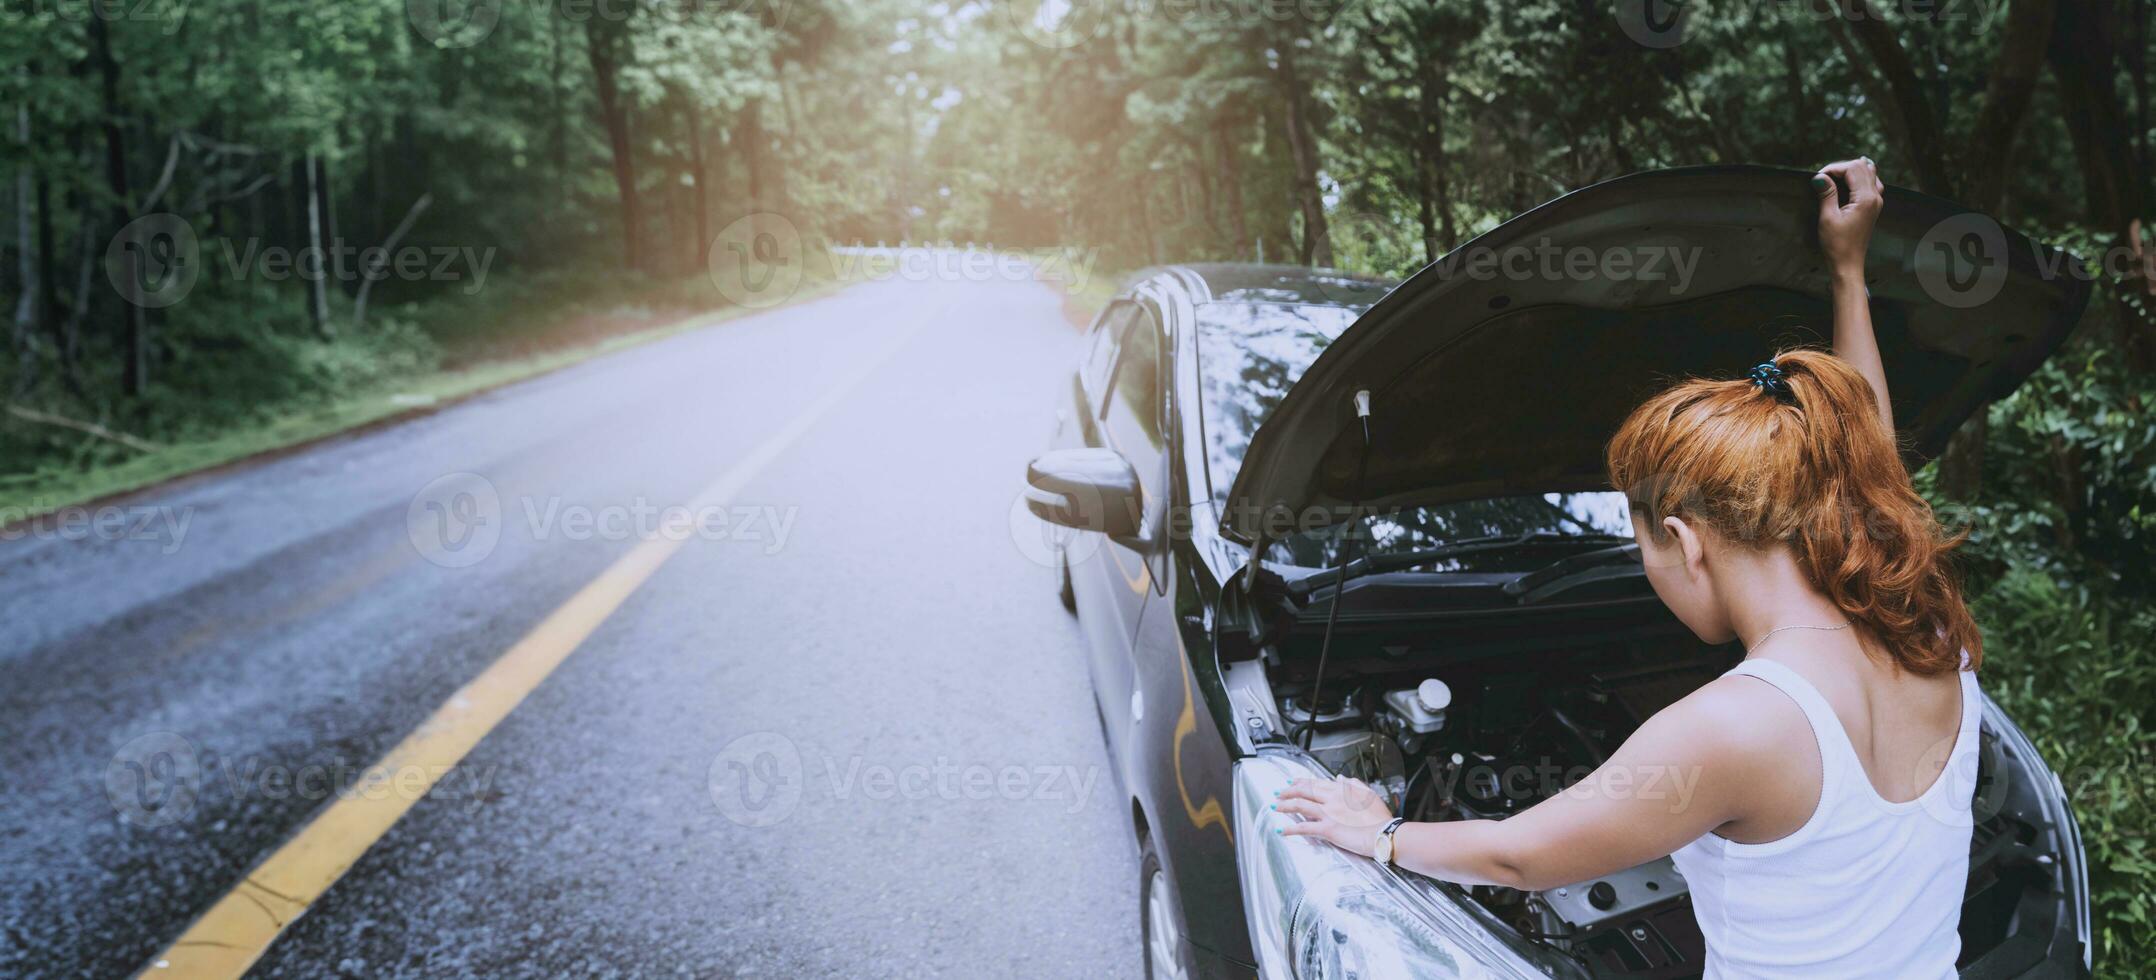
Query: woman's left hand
pixel 1845 230
pixel 1346 812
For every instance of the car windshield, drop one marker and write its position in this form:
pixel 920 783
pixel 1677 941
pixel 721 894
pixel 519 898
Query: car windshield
pixel 1251 353
pixel 1540 524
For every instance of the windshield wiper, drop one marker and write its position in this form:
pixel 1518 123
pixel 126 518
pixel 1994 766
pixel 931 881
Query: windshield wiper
pixel 1575 570
pixel 1399 561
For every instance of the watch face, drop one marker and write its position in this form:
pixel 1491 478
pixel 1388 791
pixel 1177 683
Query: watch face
pixel 1384 848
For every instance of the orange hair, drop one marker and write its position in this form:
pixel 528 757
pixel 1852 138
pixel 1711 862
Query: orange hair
pixel 1814 468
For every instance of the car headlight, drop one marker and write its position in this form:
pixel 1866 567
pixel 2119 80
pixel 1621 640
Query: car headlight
pixel 1319 913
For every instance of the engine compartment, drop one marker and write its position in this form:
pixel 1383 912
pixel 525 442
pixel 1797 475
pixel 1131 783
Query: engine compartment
pixel 1487 745
pixel 1468 738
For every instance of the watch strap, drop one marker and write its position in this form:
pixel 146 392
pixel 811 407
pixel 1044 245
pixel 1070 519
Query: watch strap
pixel 1392 852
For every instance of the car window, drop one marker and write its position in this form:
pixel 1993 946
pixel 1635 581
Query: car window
pixel 1107 339
pixel 1132 415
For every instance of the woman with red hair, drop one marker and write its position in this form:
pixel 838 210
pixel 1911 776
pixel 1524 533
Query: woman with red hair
pixel 1816 797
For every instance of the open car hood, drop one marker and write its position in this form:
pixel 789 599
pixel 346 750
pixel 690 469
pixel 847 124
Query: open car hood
pixel 1504 367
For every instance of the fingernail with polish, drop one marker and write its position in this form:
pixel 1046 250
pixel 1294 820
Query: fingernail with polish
pixel 1819 183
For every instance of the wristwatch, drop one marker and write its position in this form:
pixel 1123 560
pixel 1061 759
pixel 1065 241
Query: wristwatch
pixel 1384 841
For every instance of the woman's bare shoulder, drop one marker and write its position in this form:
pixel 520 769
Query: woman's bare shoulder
pixel 1740 715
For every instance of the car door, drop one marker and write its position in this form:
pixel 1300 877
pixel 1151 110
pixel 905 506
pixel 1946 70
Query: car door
pixel 1115 580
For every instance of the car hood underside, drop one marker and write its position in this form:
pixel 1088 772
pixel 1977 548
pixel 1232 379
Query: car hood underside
pixel 1504 367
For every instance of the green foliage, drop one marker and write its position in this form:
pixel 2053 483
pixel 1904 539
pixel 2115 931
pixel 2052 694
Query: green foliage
pixel 1159 133
pixel 2062 543
pixel 2078 672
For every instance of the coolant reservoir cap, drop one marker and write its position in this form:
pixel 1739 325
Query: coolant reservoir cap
pixel 1434 695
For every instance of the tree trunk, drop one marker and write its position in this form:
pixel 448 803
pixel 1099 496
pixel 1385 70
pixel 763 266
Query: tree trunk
pixel 28 305
pixel 752 141
pixel 1316 247
pixel 389 247
pixel 332 236
pixel 559 117
pixel 2083 60
pixel 775 180
pixel 1961 465
pixel 1144 206
pixel 2006 102
pixel 318 287
pixel 1432 190
pixel 1868 40
pixel 614 112
pixel 1231 188
pixel 697 178
pixel 1208 194
pixel 48 270
pixel 135 373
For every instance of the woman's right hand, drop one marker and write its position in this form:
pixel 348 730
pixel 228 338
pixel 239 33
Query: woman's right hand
pixel 1845 230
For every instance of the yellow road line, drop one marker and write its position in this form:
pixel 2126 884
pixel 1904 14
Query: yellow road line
pixel 239 928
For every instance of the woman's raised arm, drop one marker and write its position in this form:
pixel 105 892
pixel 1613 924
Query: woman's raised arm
pixel 1845 231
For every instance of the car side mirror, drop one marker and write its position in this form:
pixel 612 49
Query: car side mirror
pixel 1086 489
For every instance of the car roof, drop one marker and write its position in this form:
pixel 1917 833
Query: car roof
pixel 1249 282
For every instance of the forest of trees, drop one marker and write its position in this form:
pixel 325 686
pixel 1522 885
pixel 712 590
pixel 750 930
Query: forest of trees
pixel 596 146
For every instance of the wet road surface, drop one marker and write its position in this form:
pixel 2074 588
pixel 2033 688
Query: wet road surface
pixel 845 728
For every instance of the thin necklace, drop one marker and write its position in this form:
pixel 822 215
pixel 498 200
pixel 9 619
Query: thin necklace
pixel 1770 633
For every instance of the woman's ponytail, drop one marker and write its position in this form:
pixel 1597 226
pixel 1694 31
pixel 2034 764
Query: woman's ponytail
pixel 1797 454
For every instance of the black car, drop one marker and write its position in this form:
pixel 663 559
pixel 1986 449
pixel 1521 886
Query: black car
pixel 1495 636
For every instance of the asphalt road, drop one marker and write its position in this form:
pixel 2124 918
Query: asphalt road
pixel 849 734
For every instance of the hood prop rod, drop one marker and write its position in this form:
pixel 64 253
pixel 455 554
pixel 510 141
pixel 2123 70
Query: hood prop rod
pixel 1332 614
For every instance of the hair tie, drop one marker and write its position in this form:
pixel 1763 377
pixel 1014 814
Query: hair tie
pixel 1768 377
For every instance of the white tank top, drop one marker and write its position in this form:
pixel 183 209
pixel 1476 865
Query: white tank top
pixel 1866 888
